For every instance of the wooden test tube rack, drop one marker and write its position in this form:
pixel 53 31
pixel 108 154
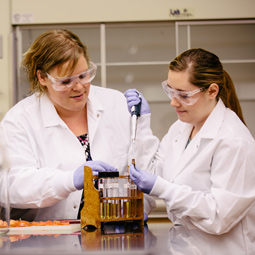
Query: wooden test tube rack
pixel 90 213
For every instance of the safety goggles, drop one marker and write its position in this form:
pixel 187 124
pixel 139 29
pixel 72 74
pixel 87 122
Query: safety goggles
pixel 68 82
pixel 184 97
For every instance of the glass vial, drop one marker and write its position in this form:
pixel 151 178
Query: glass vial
pixel 109 194
pixel 132 194
pixel 102 193
pixel 115 201
pixel 126 201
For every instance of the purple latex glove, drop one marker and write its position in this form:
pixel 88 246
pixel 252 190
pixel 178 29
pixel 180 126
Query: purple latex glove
pixel 145 216
pixel 132 96
pixel 96 166
pixel 143 180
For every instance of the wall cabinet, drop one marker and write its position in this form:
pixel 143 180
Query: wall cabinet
pixel 137 54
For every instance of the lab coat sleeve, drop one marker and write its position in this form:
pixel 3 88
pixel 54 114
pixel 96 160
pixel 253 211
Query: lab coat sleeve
pixel 50 185
pixel 149 204
pixel 231 195
pixel 32 186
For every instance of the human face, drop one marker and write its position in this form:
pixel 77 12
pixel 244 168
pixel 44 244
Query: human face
pixel 73 98
pixel 203 103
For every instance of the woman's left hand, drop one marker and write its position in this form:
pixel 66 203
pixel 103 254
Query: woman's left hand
pixel 143 180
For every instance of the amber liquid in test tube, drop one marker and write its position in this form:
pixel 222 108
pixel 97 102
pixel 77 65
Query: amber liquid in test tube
pixel 132 193
pixel 115 194
pixel 109 193
pixel 126 202
pixel 102 192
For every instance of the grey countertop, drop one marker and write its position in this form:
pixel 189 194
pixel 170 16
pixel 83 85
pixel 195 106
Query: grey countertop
pixel 153 238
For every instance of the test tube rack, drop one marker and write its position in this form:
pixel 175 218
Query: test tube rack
pixel 90 213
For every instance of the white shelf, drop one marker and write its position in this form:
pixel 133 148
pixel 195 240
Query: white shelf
pixel 137 55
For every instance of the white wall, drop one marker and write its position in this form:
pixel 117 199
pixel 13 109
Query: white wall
pixel 5 59
pixel 14 12
pixel 65 11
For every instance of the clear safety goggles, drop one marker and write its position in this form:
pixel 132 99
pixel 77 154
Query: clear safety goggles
pixel 68 82
pixel 184 97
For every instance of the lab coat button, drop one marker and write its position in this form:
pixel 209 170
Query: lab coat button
pixel 74 207
pixel 98 115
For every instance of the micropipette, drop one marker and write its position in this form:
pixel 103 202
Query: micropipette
pixel 135 113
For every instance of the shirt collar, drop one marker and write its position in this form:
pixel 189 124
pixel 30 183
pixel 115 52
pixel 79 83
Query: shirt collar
pixel 50 116
pixel 211 125
pixel 214 121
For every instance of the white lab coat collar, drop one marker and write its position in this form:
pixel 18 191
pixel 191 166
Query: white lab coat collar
pixel 213 122
pixel 94 110
pixel 208 131
pixel 49 114
pixel 211 125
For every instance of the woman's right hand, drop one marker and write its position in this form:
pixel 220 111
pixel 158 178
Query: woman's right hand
pixel 96 166
pixel 134 98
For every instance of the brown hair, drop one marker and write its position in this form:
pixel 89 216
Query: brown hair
pixel 50 49
pixel 204 69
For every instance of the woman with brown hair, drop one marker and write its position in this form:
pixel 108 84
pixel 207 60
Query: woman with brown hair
pixel 204 167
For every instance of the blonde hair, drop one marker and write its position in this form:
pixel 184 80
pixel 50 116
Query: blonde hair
pixel 50 49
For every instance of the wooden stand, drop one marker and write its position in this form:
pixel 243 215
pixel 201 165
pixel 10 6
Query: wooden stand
pixel 90 213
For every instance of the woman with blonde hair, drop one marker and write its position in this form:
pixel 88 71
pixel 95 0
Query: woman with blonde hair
pixel 64 125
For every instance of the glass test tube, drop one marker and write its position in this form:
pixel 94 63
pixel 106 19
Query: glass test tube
pixel 102 193
pixel 126 203
pixel 115 202
pixel 132 193
pixel 109 193
pixel 133 201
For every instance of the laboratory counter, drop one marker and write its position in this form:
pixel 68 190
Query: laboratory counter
pixel 115 238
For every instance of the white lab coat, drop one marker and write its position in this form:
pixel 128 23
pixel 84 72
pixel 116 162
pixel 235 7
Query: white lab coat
pixel 211 183
pixel 44 153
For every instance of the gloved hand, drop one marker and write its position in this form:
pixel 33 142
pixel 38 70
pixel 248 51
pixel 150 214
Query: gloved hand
pixel 143 180
pixel 96 166
pixel 132 96
pixel 145 216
